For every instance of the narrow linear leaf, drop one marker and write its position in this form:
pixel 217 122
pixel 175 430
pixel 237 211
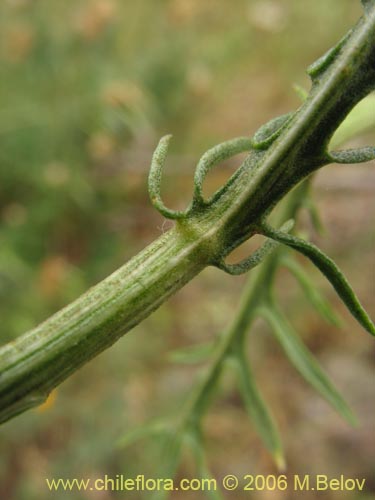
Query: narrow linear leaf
pixel 212 157
pixel 350 156
pixel 258 411
pixel 270 131
pixel 319 67
pixel 155 178
pixel 330 270
pixel 312 293
pixel 250 262
pixel 304 361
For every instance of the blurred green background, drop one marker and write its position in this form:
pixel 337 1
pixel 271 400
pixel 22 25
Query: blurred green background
pixel 87 88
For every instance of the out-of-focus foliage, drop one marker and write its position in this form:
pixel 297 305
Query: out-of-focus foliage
pixel 86 89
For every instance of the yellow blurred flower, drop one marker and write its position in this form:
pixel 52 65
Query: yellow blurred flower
pixel 101 145
pixel 122 93
pixel 19 41
pixel 184 11
pixel 267 15
pixel 91 20
pixel 18 3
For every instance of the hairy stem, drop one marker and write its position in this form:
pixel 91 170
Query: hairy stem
pixel 41 359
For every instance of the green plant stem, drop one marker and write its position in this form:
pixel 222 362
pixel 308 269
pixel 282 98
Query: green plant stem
pixel 252 297
pixel 39 360
pixel 35 363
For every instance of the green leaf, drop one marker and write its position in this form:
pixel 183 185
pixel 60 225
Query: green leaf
pixel 330 270
pixel 314 296
pixel 319 67
pixel 257 410
pixel 211 158
pixel 304 361
pixel 270 131
pixel 257 257
pixel 155 177
pixel 359 155
pixel 192 354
